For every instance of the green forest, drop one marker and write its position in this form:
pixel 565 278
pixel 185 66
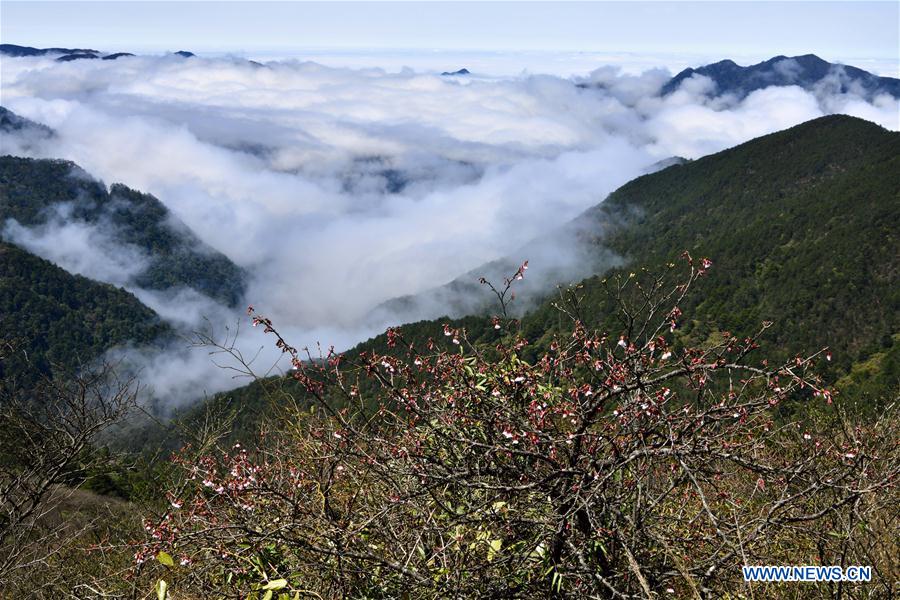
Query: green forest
pixel 57 322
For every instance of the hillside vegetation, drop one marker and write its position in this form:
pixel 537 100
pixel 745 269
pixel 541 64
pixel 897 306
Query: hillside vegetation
pixel 57 321
pixel 629 467
pixel 801 225
pixel 33 192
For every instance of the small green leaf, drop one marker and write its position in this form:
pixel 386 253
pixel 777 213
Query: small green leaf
pixel 267 595
pixel 165 558
pixel 162 589
pixel 493 548
pixel 276 584
pixel 557 581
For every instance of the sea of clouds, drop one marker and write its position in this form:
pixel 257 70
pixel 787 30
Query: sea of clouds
pixel 339 188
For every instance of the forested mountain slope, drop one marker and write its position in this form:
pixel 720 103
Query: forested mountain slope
pixel 801 225
pixel 10 123
pixel 51 320
pixel 35 193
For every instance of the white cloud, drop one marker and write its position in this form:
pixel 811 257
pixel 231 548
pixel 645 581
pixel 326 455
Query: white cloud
pixel 78 247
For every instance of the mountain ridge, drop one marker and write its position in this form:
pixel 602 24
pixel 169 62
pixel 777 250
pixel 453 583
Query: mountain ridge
pixel 70 54
pixel 806 71
pixel 57 322
pixel 34 191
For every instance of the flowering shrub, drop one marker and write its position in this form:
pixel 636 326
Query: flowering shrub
pixel 618 464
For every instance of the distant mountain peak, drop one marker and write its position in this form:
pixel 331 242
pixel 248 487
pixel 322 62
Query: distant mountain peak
pixel 806 71
pixel 807 57
pixel 65 54
pixel 462 71
pixel 15 50
pixel 76 56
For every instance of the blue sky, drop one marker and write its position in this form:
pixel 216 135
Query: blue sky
pixel 834 30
